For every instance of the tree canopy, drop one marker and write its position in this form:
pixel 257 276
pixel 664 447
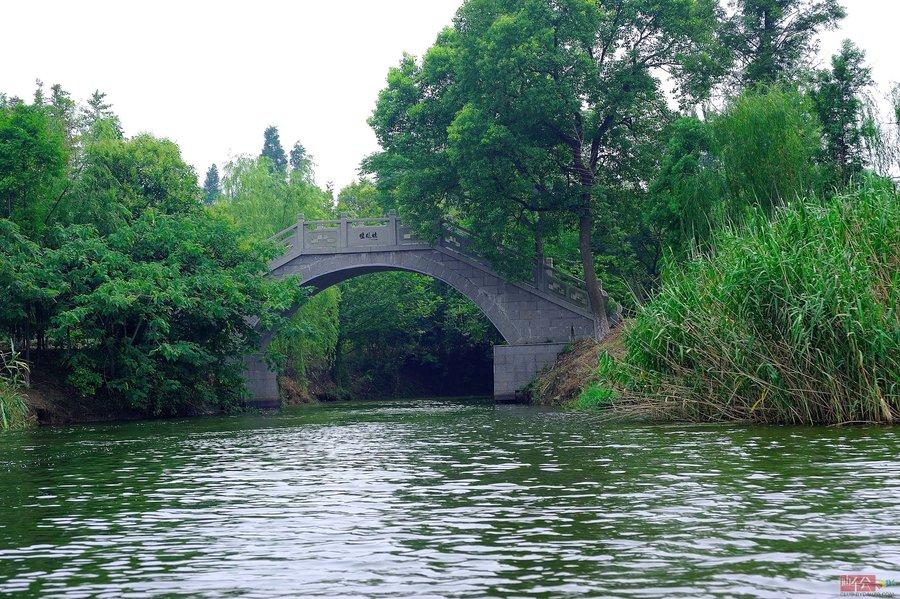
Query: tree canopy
pixel 539 114
pixel 273 151
pixel 773 40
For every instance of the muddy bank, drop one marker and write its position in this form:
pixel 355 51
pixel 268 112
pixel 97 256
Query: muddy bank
pixel 575 369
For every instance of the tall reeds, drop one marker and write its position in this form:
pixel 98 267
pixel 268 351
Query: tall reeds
pixel 792 319
pixel 13 378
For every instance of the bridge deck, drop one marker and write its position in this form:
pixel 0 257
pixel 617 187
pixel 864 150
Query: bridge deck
pixel 380 234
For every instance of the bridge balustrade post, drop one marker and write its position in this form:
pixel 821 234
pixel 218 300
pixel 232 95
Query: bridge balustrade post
pixel 344 232
pixel 542 265
pixel 300 234
pixel 393 233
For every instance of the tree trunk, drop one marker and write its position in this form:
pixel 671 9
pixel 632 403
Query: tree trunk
pixel 596 295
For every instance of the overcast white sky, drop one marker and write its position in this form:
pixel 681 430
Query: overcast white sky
pixel 212 75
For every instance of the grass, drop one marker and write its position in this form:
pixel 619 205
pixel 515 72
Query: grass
pixel 13 377
pixel 794 319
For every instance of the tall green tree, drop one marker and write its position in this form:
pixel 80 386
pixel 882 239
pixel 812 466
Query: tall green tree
pixel 760 151
pixel 211 186
pixel 838 97
pixel 273 151
pixel 120 179
pixel 32 164
pixel 539 107
pixel 767 141
pixel 98 118
pixel 301 163
pixel 774 39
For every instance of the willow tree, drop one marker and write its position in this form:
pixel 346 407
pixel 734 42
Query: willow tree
pixel 538 107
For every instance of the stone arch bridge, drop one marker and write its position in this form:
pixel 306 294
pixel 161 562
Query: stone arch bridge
pixel 536 318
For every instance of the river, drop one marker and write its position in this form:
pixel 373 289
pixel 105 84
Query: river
pixel 441 498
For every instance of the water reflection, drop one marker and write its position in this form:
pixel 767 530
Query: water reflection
pixel 439 498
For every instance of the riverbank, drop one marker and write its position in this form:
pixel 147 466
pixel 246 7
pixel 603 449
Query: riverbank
pixel 793 319
pixel 576 370
pixel 49 403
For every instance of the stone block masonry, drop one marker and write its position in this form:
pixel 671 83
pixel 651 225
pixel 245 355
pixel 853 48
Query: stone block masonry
pixel 515 366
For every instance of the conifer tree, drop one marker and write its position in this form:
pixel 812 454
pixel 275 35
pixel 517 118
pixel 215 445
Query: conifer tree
pixel 211 185
pixel 839 102
pixel 273 151
pixel 774 39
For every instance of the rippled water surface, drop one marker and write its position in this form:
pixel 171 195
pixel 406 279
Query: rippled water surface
pixel 444 498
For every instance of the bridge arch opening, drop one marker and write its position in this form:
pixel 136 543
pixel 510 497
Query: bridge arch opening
pixel 405 334
pixel 486 304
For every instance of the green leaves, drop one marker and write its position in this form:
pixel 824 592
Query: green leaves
pixel 772 40
pixel 120 179
pixel 152 313
pixel 32 165
pixel 530 118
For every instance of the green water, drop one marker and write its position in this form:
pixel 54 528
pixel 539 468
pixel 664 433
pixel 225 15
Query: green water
pixel 446 499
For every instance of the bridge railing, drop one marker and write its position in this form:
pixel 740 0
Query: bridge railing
pixel 358 234
pixel 328 236
pixel 545 277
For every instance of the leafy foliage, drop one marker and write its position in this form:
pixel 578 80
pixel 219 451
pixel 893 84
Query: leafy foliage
pixel 768 143
pixel 263 203
pixel 32 165
pixel 301 163
pixel 761 151
pixel 113 271
pixel 118 180
pixel 838 100
pixel 155 314
pixel 528 117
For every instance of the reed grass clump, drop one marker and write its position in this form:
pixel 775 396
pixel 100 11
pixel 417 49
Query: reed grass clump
pixel 13 378
pixel 792 319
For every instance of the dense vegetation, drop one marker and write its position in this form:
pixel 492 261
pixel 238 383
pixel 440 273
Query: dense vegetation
pixel 114 276
pixel 794 319
pixel 543 123
pixel 134 288
pixel 683 158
